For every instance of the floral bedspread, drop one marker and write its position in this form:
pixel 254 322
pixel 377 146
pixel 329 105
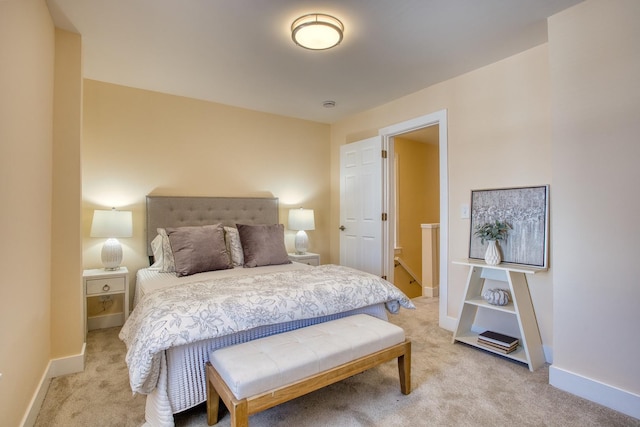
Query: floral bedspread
pixel 197 311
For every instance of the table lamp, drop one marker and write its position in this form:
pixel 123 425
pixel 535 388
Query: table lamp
pixel 301 220
pixel 111 224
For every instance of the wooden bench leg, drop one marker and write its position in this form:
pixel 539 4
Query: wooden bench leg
pixel 213 400
pixel 404 369
pixel 238 409
pixel 240 414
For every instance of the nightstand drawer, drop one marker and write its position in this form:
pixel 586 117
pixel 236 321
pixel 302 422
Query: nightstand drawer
pixel 103 286
pixel 309 261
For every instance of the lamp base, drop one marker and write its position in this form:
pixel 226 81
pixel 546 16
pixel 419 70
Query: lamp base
pixel 111 254
pixel 301 242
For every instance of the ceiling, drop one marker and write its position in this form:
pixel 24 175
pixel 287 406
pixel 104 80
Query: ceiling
pixel 240 52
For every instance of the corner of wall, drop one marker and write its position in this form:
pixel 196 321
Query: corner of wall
pixel 55 368
pixel 620 400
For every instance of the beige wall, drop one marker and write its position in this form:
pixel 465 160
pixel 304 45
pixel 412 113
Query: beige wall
pixel 595 64
pixel 498 136
pixel 26 115
pixel 67 325
pixel 137 142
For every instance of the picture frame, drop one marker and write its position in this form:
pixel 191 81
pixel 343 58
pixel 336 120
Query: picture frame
pixel 526 210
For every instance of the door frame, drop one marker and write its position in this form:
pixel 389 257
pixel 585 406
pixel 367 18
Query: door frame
pixel 388 134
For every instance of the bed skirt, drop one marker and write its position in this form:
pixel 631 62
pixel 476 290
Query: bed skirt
pixel 182 381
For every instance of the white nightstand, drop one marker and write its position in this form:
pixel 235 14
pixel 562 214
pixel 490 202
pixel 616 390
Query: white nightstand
pixel 307 258
pixel 101 283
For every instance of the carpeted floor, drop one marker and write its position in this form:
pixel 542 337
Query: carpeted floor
pixel 453 385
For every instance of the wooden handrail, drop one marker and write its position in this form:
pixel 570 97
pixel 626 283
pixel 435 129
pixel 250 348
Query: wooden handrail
pixel 408 270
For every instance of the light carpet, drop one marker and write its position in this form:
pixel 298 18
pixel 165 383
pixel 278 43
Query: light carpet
pixel 453 385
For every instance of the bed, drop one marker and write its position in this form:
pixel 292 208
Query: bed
pixel 206 298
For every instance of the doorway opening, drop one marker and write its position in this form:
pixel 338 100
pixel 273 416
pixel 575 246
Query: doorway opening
pixel 417 211
pixel 388 135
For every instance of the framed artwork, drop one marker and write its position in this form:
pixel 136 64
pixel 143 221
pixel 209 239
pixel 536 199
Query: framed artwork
pixel 526 210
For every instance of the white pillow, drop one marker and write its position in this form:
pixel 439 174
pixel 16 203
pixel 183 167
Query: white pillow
pixel 156 248
pixel 235 247
pixel 168 262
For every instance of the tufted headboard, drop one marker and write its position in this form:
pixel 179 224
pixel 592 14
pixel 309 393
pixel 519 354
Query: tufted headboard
pixel 170 211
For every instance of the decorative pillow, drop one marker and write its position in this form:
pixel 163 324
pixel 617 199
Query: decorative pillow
pixel 234 246
pixel 168 262
pixel 156 248
pixel 198 249
pixel 263 244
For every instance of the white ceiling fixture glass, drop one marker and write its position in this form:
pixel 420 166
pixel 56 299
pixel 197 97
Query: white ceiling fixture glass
pixel 317 31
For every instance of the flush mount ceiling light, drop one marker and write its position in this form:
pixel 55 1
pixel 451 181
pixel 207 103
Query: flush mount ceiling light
pixel 317 31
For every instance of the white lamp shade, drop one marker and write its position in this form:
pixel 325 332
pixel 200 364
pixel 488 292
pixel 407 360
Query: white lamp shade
pixel 111 224
pixel 301 219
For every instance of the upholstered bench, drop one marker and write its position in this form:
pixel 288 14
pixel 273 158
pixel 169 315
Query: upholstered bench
pixel 263 373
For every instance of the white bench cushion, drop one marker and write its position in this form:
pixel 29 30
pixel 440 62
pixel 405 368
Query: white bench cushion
pixel 267 363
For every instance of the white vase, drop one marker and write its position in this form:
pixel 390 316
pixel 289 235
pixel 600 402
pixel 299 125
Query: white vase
pixel 492 255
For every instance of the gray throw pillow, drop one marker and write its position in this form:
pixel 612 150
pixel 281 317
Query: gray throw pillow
pixel 263 244
pixel 198 249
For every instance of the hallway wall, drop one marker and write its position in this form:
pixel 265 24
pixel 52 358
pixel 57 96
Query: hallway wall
pixel 417 197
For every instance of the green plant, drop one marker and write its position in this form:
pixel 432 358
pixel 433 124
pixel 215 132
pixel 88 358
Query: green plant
pixel 492 231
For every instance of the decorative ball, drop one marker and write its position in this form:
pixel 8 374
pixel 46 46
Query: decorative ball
pixel 496 296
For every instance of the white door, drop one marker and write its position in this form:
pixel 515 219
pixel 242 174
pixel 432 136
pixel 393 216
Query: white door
pixel 361 205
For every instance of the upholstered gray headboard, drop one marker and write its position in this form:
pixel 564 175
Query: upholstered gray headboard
pixel 169 211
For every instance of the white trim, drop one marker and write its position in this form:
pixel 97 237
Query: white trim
pixel 388 133
pixel 104 321
pixel 430 292
pixel 449 323
pixel 619 400
pixel 68 365
pixel 388 206
pixel 31 415
pixel 55 368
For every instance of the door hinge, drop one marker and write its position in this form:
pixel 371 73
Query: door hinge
pixel 384 154
pixel 384 216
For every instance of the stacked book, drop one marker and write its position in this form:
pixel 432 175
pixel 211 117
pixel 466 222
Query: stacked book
pixel 498 342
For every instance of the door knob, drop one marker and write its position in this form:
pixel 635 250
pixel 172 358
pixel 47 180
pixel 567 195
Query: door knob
pixel 342 228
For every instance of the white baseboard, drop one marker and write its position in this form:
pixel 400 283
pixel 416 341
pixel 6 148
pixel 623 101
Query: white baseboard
pixel 430 292
pixel 55 368
pixel 105 321
pixel 449 323
pixel 619 400
pixel 67 365
pixel 33 409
